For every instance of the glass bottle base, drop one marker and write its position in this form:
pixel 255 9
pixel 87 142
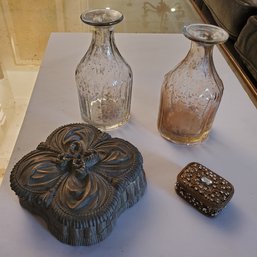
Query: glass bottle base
pixel 186 140
pixel 105 114
pixel 105 127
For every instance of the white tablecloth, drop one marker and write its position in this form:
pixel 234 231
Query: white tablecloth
pixel 161 223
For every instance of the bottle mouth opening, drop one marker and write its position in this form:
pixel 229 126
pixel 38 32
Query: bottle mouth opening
pixel 101 17
pixel 205 33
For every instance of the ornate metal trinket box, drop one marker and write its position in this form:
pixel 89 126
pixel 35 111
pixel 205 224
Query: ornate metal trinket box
pixel 79 181
pixel 203 189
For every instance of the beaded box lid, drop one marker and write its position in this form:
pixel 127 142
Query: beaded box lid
pixel 204 189
pixel 79 181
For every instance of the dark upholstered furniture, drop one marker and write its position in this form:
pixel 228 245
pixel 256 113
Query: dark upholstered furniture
pixel 239 19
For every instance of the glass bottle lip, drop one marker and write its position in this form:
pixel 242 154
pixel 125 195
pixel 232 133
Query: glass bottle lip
pixel 101 17
pixel 205 33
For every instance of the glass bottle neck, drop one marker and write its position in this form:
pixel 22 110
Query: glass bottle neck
pixel 103 39
pixel 199 52
pixel 200 58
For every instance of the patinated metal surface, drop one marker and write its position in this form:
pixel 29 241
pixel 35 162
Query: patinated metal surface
pixel 204 189
pixel 79 181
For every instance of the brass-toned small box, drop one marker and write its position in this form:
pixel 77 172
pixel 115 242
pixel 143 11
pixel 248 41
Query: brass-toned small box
pixel 204 189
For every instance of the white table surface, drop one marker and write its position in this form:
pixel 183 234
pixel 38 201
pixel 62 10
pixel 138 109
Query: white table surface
pixel 161 223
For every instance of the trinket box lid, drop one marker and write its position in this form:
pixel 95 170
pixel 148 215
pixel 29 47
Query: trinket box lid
pixel 204 189
pixel 79 181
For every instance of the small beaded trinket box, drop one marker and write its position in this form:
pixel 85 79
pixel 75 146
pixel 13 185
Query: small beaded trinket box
pixel 205 190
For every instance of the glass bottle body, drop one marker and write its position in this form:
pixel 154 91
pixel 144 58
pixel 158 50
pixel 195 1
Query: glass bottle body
pixel 190 96
pixel 104 80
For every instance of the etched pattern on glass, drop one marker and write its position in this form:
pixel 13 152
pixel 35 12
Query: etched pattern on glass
pixel 104 79
pixel 192 91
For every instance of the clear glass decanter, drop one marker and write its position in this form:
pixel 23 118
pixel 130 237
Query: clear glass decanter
pixel 192 91
pixel 103 78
